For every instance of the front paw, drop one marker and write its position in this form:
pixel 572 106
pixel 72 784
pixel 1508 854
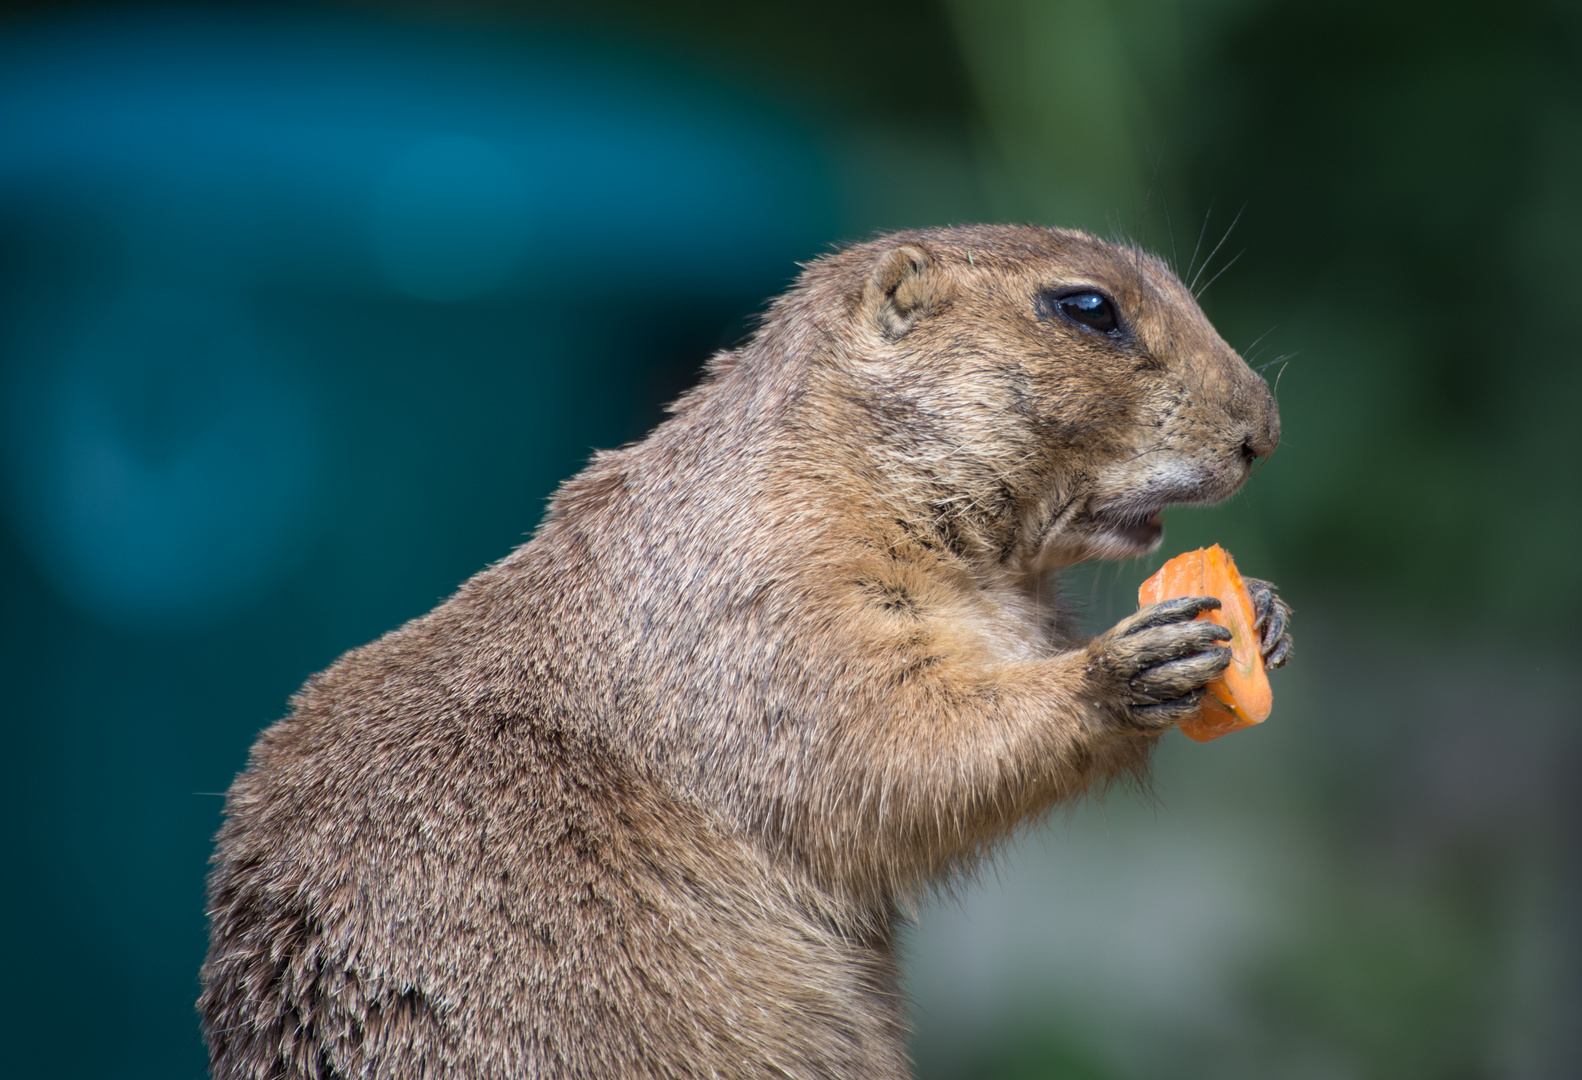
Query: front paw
pixel 1153 665
pixel 1273 623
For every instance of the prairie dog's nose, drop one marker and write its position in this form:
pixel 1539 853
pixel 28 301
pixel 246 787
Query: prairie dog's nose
pixel 1263 426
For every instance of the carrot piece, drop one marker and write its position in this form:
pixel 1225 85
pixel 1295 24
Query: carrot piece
pixel 1241 697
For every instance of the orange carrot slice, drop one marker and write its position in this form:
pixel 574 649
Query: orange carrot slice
pixel 1241 697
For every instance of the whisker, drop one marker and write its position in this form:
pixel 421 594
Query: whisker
pixel 1192 288
pixel 1200 234
pixel 1279 375
pixel 1145 453
pixel 1175 259
pixel 1142 215
pixel 1248 350
pixel 1222 269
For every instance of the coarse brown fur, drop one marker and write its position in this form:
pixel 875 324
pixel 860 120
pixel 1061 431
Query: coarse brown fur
pixel 643 798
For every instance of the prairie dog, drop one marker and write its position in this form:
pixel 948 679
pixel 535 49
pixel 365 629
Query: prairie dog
pixel 642 798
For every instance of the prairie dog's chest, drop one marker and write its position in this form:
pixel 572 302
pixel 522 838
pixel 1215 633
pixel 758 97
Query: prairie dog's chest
pixel 1005 623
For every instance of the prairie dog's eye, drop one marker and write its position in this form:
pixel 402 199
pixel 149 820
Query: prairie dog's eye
pixel 1091 309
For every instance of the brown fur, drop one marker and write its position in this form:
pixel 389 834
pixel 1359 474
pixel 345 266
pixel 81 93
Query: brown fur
pixel 642 799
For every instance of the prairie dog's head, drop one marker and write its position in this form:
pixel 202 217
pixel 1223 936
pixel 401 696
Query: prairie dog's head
pixel 1037 395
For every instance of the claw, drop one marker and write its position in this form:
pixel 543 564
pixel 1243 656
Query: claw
pixel 1274 617
pixel 1168 681
pixel 1262 594
pixel 1178 609
pixel 1277 656
pixel 1274 628
pixel 1168 712
pixel 1165 682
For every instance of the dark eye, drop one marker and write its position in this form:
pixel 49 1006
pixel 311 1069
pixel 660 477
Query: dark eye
pixel 1090 309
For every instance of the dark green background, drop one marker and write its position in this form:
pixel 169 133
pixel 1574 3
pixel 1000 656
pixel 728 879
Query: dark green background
pixel 1406 182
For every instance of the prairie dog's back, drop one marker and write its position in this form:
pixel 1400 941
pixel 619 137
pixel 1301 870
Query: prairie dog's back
pixel 474 898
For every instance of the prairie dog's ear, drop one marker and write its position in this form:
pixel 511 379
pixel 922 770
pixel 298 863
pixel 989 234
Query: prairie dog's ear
pixel 905 285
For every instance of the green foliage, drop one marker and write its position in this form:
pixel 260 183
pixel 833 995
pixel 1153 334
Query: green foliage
pixel 1022 1054
pixel 1391 986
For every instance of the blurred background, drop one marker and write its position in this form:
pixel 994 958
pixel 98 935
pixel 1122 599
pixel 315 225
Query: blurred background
pixel 305 309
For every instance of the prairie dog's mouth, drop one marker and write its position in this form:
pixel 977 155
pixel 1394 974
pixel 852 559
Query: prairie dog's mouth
pixel 1127 519
pixel 1103 534
pixel 1140 532
pixel 1131 523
